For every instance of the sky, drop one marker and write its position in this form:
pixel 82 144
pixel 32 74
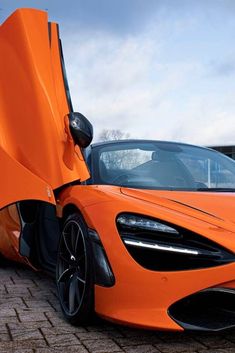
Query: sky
pixel 156 69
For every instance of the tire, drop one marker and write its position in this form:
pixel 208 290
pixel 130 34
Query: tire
pixel 74 272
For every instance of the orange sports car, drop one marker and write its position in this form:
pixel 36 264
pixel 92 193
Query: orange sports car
pixel 139 232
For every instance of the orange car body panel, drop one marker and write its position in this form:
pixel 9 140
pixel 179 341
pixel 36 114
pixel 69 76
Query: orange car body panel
pixel 37 153
pixel 141 296
pixel 33 105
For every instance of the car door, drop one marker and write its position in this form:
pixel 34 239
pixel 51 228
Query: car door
pixel 37 153
pixel 34 103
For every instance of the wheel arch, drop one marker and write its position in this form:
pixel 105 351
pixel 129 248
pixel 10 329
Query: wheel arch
pixel 70 209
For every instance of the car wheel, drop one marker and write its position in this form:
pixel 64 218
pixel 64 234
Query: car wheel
pixel 74 272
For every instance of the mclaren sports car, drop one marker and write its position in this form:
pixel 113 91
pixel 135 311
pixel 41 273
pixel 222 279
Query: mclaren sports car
pixel 139 232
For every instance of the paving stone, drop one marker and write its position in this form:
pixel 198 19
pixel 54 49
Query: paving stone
pixel 38 293
pixel 141 339
pixel 16 346
pixel 129 332
pixel 17 289
pixel 21 282
pixel 65 340
pixel 8 319
pixel 54 303
pixel 11 303
pixel 178 347
pixel 114 334
pixel 101 346
pixel 30 315
pixel 92 335
pixel 230 336
pixel 26 334
pixel 37 303
pixel 219 350
pixel 101 325
pixel 15 350
pixel 7 311
pixel 72 349
pixel 57 321
pixel 4 337
pixel 3 328
pixel 176 336
pixel 29 325
pixel 213 341
pixel 147 348
pixel 62 330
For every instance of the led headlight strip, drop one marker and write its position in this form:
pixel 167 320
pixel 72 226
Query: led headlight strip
pixel 136 222
pixel 160 247
pixel 144 223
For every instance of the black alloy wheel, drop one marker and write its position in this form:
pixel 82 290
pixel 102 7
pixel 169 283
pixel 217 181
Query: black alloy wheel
pixel 74 272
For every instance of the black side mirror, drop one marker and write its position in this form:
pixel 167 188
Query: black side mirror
pixel 81 129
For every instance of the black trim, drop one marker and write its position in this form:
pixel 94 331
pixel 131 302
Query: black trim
pixel 49 32
pixel 212 309
pixel 194 208
pixel 66 85
pixel 103 274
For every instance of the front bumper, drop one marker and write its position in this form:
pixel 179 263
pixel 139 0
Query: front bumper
pixel 143 297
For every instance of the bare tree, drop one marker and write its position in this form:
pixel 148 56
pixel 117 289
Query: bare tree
pixel 120 159
pixel 112 134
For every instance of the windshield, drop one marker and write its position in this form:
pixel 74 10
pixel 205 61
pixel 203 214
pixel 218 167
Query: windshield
pixel 162 165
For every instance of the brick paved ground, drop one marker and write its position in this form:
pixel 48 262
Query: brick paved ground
pixel 31 322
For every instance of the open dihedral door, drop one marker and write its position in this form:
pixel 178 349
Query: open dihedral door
pixel 37 154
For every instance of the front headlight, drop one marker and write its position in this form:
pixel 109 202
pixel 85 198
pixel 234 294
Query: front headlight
pixel 161 246
pixel 139 222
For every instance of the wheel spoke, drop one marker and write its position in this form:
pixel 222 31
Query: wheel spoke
pixel 81 280
pixel 62 257
pixel 66 244
pixel 79 258
pixel 65 274
pixel 73 238
pixel 76 243
pixel 72 268
pixel 72 294
pixel 78 294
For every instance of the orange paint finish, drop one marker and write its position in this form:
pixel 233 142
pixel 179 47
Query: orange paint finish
pixel 140 296
pixel 10 229
pixel 230 285
pixel 19 183
pixel 33 107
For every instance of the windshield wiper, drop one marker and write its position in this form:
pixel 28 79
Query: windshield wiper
pixel 216 189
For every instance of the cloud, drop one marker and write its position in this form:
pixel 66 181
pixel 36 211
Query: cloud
pixel 117 16
pixel 124 83
pixel 156 69
pixel 119 83
pixel 156 83
pixel 224 68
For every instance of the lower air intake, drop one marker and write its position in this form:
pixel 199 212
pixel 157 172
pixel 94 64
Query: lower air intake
pixel 208 310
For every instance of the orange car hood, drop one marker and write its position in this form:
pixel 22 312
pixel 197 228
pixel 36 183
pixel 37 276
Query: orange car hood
pixel 217 205
pixel 33 109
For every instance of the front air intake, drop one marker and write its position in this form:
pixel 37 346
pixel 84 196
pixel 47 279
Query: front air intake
pixel 209 310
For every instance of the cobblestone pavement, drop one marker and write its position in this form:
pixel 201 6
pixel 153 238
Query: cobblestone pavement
pixel 31 322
